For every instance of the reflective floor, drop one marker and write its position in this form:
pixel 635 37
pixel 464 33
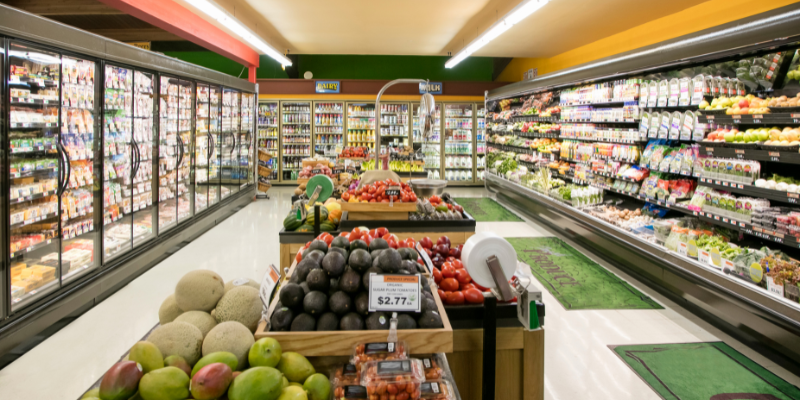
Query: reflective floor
pixel 578 363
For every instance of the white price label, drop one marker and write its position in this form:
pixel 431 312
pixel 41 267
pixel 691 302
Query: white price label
pixel 682 248
pixel 268 283
pixel 704 256
pixel 394 293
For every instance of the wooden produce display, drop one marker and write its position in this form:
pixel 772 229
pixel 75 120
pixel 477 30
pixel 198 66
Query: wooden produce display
pixel 341 343
pixel 378 211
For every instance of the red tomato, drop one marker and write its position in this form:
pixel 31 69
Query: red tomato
pixel 345 196
pixel 372 233
pixel 435 199
pixel 473 296
pixel 371 190
pixel 456 297
pixel 467 286
pixel 381 232
pixel 437 275
pixel 326 237
pixel 462 276
pixel 393 244
pixel 413 197
pixel 345 234
pixel 409 243
pixel 450 258
pixel 355 234
pixel 449 284
pixel 384 200
pixel 372 200
pixel 448 271
pixel 390 236
pixel 457 264
pixel 479 287
pixel 426 242
pixel 299 257
pixel 442 294
pixel 366 196
pixel 367 239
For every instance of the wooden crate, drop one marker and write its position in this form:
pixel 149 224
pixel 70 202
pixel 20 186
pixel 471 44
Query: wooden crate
pixel 342 343
pixel 313 163
pixel 378 211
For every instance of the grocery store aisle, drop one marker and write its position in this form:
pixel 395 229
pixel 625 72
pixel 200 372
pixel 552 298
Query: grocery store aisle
pixel 579 363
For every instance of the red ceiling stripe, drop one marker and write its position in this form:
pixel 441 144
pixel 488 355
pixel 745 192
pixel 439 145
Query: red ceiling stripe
pixel 176 19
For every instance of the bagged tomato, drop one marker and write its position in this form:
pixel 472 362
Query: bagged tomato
pixel 379 351
pixel 346 375
pixel 437 390
pixel 349 392
pixel 433 367
pixel 398 378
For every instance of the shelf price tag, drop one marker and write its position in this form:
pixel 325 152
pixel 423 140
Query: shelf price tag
pixel 393 191
pixel 394 293
pixel 704 256
pixel 774 156
pixel 682 248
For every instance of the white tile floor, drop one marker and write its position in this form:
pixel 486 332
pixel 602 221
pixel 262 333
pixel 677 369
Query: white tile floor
pixel 578 363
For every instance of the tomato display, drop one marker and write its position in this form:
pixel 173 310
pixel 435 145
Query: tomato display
pixel 455 284
pixel 376 193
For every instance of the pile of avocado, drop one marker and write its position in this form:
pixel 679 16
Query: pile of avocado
pixel 328 288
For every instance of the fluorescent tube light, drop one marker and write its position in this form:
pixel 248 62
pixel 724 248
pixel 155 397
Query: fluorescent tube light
pixel 519 13
pixel 228 21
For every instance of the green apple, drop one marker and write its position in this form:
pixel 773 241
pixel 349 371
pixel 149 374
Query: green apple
pixel 763 135
pixel 729 136
pixel 739 137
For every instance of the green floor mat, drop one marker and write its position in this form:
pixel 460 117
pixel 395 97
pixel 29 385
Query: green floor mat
pixel 707 371
pixel 486 210
pixel 575 280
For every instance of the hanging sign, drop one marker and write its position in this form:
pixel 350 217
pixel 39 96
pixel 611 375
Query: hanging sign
pixel 431 87
pixel 141 45
pixel 327 87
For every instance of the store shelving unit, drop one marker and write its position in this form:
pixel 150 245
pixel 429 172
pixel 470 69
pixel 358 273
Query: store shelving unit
pixel 394 125
pixel 328 128
pixel 361 125
pixel 296 143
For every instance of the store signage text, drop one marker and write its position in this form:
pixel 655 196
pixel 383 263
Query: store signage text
pixel 431 87
pixel 141 45
pixel 327 87
pixel 558 275
pixel 530 74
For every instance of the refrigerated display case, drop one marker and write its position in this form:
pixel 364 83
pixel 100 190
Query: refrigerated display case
pixel 295 137
pixel 268 139
pixel 37 171
pixel 174 164
pixel 458 140
pixel 394 125
pixel 361 125
pixel 246 139
pixel 229 163
pixel 203 148
pixel 328 128
pixel 431 146
pixel 480 143
pixel 215 148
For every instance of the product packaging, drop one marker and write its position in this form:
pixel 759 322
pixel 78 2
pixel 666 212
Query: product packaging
pixel 393 377
pixel 379 351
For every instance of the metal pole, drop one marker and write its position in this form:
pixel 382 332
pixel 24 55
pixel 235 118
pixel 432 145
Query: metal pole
pixel 378 165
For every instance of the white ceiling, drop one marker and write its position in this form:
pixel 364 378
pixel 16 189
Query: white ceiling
pixel 436 27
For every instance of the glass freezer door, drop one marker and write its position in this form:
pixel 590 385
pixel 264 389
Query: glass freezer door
pixel 267 140
pixel 37 173
pixel 185 118
pixel 80 239
pixel 245 142
pixel 480 143
pixel 229 167
pixel 144 141
pixel 431 146
pixel 458 142
pixel 202 148
pixel 214 150
pixel 175 107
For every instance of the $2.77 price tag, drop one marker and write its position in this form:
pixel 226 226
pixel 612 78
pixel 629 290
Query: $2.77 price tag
pixel 394 293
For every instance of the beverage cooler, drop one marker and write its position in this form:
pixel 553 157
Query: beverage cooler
pixel 267 138
pixel 328 128
pixel 458 143
pixel 295 137
pixel 431 146
pixel 361 125
pixel 107 158
pixel 480 142
pixel 394 125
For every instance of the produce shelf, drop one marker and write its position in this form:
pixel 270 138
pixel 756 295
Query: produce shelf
pixel 751 190
pixel 605 140
pixel 751 119
pixel 589 121
pixel 786 157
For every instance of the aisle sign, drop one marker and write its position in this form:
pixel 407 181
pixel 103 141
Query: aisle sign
pixel 327 86
pixel 392 292
pixel 431 87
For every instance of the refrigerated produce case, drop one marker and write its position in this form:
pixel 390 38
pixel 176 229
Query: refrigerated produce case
pixel 629 100
pixel 295 137
pixel 89 131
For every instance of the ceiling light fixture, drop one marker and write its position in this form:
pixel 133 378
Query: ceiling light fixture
pixel 519 13
pixel 230 22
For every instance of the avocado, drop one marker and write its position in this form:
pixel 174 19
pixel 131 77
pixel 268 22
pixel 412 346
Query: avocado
pixel 362 303
pixel 315 303
pixel 376 253
pixel 358 244
pixel 303 322
pixel 405 321
pixel 403 272
pixel 295 278
pixel 408 253
pixel 292 295
pixel 430 320
pixel 378 244
pixel 281 319
pixel 318 280
pixel 315 255
pixel 341 251
pixel 305 287
pixel 375 262
pixel 333 286
pixel 427 304
pixel 426 289
pixel 340 303
pixel 409 266
pixel 421 269
pixel 340 242
pixel 390 261
pixel 319 245
pixel 428 294
pixel 351 322
pixel 367 273
pixel 333 264
pixel 350 281
pixel 360 260
pixel 424 281
pixel 330 322
pixel 377 321
pixel 304 267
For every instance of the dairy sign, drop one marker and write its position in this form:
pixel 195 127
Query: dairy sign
pixel 431 87
pixel 327 87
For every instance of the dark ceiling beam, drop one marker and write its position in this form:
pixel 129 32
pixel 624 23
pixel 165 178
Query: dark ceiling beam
pixel 63 7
